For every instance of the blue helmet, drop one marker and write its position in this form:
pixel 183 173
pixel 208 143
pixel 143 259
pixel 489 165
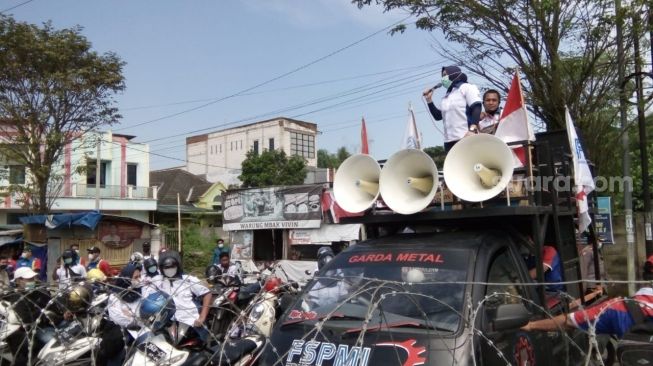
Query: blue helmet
pixel 157 310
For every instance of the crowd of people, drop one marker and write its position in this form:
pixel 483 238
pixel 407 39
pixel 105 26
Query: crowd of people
pixel 78 280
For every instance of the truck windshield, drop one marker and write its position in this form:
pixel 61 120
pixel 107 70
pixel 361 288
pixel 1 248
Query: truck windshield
pixel 390 286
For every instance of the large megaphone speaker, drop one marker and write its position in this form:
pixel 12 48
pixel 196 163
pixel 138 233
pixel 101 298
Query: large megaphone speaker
pixel 409 181
pixel 478 167
pixel 356 185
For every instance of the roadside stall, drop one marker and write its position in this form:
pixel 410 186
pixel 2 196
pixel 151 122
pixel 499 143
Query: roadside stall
pixel 117 237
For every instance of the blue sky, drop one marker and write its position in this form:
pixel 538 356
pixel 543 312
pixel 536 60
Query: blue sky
pixel 183 54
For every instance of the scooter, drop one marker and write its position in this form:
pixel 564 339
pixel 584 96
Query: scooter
pixel 9 324
pixel 76 343
pixel 171 347
pixel 229 299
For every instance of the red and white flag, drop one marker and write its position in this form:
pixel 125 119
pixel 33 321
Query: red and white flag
pixel 365 149
pixel 513 123
pixel 411 136
pixel 582 176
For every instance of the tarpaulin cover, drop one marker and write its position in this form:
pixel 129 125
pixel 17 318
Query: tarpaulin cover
pixel 87 219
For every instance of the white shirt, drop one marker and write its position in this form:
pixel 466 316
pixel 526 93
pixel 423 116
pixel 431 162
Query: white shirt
pixel 453 110
pixel 150 284
pixel 488 121
pixel 64 278
pixel 182 291
pixel 123 313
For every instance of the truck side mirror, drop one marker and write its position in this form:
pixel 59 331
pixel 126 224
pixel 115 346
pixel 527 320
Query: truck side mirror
pixel 508 317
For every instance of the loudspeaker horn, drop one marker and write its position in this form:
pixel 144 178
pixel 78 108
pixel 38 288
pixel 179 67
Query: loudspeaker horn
pixel 356 184
pixel 409 181
pixel 478 167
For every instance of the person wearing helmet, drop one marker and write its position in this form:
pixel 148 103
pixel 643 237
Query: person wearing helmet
pixel 183 288
pixel 324 256
pixel 123 314
pixel 328 289
pixel 29 301
pixel 150 276
pixel 136 259
pixel 69 272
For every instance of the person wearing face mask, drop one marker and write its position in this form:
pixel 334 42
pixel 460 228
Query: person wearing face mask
pixel 95 261
pixel 29 301
pixel 78 257
pixel 122 326
pixel 460 109
pixel 69 272
pixel 150 277
pixel 219 249
pixel 184 289
pixel 492 112
pixel 28 260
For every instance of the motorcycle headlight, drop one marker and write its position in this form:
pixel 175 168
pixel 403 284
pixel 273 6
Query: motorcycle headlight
pixel 256 312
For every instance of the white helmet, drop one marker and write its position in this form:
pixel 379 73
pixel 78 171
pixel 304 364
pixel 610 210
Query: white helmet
pixel 137 257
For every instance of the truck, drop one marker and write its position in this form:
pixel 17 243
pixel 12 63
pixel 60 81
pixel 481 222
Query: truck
pixel 446 286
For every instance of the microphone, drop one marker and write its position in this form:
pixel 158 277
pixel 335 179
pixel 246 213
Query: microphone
pixel 438 85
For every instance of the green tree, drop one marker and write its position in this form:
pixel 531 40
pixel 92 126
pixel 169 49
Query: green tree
pixel 437 154
pixel 272 168
pixel 54 89
pixel 328 160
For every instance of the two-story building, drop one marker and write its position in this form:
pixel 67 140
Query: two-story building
pixel 123 189
pixel 218 155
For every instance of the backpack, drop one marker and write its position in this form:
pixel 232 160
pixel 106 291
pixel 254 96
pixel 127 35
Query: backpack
pixel 636 347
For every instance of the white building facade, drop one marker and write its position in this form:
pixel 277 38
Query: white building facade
pixel 124 179
pixel 218 155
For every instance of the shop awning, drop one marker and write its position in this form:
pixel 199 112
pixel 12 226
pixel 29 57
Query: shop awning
pixel 325 234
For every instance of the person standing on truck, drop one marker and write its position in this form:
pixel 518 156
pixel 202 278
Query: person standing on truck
pixel 490 116
pixel 609 317
pixel 460 109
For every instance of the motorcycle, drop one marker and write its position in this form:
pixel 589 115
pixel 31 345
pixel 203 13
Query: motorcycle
pixel 172 346
pixel 260 317
pixel 77 341
pixel 229 298
pixel 9 324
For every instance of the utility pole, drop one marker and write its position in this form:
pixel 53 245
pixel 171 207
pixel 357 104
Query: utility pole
pixel 628 190
pixel 98 164
pixel 641 121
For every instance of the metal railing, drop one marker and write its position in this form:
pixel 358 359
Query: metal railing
pixel 107 191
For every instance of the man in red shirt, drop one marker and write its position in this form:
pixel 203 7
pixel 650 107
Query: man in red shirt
pixel 94 261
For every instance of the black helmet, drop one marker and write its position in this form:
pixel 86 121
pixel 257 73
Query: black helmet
pixel 324 256
pixel 148 265
pixel 68 253
pixel 212 273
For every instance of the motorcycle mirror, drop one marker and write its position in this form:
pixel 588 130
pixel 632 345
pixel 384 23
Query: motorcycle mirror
pixel 308 272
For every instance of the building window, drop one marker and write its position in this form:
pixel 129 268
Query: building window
pixel 241 144
pixel 232 146
pixel 255 148
pixel 302 144
pixel 271 144
pixel 220 148
pixel 16 174
pixel 131 174
pixel 90 172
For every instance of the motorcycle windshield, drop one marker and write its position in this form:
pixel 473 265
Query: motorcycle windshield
pixel 390 287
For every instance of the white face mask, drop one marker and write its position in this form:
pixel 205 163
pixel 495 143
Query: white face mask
pixel 170 272
pixel 220 245
pixel 151 270
pixel 24 255
pixel 91 257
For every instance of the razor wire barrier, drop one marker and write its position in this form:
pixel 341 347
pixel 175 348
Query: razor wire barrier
pixel 33 319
